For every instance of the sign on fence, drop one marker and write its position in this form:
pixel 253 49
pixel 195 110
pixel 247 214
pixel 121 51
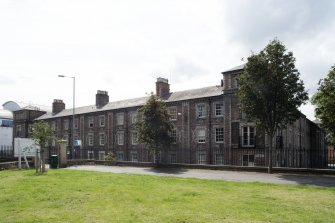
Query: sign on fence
pixel 25 147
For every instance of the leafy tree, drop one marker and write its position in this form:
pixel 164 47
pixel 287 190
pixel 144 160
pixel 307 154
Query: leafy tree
pixel 271 91
pixel 42 134
pixel 110 158
pixel 324 100
pixel 154 126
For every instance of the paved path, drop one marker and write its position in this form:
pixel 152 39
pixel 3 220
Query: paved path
pixel 276 178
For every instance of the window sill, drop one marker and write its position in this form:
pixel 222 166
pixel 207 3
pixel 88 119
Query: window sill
pixel 246 146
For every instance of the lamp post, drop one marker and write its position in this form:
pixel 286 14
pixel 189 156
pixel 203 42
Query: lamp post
pixel 73 112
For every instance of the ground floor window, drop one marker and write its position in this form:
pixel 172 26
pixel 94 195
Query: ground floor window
pixel 90 155
pixel 201 158
pixel 248 160
pixel 218 158
pixel 133 157
pixel 173 158
pixel 120 156
pixel 101 155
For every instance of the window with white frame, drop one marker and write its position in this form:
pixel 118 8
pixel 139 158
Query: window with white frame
pixel 119 118
pixel 133 157
pixel 248 160
pixel 218 158
pixel 120 156
pixel 90 139
pixel 173 134
pixel 90 155
pixel 90 122
pixel 133 117
pixel 248 136
pixel 173 113
pixel 102 120
pixel 243 115
pixel 120 138
pixel 66 124
pixel 201 135
pixel 134 138
pixel 102 139
pixel 219 135
pixel 101 155
pixel 173 158
pixel 201 158
pixel 201 110
pixel 76 123
pixel 218 108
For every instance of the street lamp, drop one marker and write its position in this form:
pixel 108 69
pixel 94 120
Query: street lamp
pixel 73 112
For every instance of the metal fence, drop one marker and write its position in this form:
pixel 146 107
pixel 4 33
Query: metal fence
pixel 290 157
pixel 6 155
pixel 287 157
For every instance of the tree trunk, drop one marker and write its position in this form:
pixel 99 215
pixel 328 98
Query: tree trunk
pixel 270 155
pixel 156 159
pixel 36 161
pixel 43 161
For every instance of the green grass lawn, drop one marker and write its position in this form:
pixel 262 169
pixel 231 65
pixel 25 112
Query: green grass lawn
pixel 84 196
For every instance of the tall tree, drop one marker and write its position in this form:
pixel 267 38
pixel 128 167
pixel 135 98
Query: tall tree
pixel 42 134
pixel 154 127
pixel 271 91
pixel 324 100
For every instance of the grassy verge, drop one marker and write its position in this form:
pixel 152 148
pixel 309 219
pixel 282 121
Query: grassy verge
pixel 83 196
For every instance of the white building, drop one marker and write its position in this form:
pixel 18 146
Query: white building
pixel 6 131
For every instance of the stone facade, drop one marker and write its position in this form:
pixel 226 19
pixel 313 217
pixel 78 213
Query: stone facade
pixel 23 118
pixel 209 129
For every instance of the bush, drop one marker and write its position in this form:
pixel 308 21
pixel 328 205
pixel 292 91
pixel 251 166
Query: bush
pixel 110 158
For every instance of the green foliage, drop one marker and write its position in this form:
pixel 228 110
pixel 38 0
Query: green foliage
pixel 270 89
pixel 87 196
pixel 110 157
pixel 154 126
pixel 41 133
pixel 324 100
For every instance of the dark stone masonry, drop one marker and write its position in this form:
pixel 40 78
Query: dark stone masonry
pixel 209 129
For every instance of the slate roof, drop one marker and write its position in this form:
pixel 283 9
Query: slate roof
pixel 172 97
pixel 240 67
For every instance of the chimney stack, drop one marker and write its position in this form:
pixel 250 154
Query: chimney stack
pixel 162 87
pixel 101 98
pixel 57 106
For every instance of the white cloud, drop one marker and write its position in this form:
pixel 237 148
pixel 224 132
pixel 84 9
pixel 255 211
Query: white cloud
pixel 122 46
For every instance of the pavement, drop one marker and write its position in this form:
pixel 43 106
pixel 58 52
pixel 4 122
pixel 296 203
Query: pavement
pixel 226 175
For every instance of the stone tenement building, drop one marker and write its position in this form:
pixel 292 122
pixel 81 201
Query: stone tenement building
pixel 208 129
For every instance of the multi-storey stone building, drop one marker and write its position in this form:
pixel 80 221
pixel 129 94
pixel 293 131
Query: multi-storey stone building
pixel 208 129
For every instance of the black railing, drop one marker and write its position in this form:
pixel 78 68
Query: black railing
pixel 242 156
pixel 6 153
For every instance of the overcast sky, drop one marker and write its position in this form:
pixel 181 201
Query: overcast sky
pixel 123 46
